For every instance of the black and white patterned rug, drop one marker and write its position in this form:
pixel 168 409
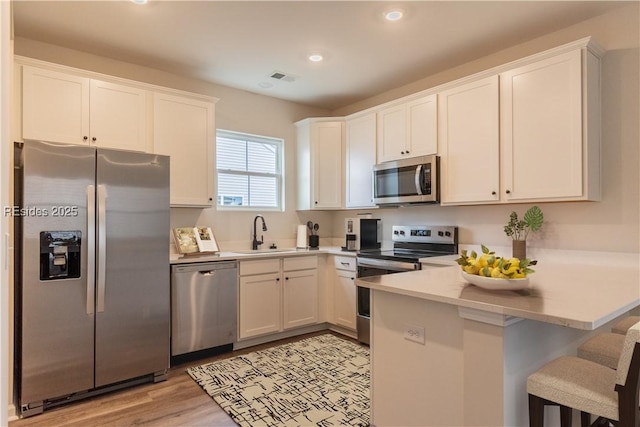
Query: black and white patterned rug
pixel 318 381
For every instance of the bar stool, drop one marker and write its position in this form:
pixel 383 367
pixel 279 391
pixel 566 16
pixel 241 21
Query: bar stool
pixel 622 326
pixel 604 349
pixel 593 389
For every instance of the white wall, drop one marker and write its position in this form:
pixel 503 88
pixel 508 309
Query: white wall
pixel 6 61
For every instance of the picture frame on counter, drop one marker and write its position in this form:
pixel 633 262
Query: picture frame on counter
pixel 205 239
pixel 185 239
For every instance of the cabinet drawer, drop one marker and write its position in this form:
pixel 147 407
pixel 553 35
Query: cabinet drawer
pixel 345 263
pixel 259 266
pixel 300 263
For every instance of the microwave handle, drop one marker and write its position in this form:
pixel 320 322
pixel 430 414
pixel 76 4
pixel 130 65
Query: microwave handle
pixel 419 180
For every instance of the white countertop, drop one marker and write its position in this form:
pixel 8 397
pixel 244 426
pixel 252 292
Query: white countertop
pixel 262 253
pixel 580 294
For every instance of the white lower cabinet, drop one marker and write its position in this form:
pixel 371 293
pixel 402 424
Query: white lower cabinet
pixel 344 292
pixel 277 294
pixel 300 298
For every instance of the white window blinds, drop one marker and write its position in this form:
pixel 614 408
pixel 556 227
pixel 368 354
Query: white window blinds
pixel 249 170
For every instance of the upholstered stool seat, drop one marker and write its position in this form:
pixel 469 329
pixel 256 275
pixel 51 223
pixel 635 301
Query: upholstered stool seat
pixel 622 326
pixel 592 388
pixel 604 349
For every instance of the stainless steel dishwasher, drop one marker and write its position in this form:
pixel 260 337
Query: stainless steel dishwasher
pixel 204 306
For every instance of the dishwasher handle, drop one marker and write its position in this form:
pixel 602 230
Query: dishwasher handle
pixel 206 272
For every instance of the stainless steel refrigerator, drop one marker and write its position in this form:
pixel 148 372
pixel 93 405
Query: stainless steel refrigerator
pixel 92 271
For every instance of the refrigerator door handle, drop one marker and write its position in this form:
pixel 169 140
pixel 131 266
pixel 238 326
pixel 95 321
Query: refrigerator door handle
pixel 91 248
pixel 102 246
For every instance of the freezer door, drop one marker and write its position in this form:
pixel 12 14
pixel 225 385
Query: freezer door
pixel 55 308
pixel 132 292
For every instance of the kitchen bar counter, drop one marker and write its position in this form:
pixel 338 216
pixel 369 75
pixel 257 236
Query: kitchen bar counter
pixel 444 352
pixel 583 296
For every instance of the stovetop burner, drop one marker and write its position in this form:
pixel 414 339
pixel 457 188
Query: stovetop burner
pixel 412 243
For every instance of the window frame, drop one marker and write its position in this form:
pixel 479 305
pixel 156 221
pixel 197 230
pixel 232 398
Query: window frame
pixel 279 143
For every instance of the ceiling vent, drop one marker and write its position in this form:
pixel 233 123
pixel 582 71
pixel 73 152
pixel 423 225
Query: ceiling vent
pixel 279 75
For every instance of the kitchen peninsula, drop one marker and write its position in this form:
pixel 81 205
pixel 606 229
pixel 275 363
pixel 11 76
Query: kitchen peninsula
pixel 477 347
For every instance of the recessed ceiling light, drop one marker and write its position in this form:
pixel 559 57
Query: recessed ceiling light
pixel 394 15
pixel 315 57
pixel 139 1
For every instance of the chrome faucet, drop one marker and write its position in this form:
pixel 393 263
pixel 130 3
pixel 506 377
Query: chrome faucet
pixel 256 242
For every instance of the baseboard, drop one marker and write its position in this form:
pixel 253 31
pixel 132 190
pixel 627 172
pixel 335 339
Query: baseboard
pixel 344 331
pixel 250 342
pixel 11 413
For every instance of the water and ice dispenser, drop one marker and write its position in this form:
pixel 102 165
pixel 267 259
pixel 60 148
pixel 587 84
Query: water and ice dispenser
pixel 60 254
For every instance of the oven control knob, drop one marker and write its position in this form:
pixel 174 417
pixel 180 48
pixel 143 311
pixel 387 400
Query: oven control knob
pixel 447 233
pixel 396 232
pixel 440 233
pixel 402 232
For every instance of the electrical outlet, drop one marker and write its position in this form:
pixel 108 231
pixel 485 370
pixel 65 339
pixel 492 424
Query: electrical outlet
pixel 414 333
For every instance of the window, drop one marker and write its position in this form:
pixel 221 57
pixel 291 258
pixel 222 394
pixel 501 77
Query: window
pixel 249 171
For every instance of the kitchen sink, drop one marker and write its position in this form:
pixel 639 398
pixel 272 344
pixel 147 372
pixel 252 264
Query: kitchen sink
pixel 265 251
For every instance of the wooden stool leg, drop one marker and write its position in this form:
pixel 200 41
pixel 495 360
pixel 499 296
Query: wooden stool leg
pixel 536 411
pixel 565 416
pixel 585 419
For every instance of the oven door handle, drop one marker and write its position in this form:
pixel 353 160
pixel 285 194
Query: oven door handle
pixel 388 265
pixel 418 180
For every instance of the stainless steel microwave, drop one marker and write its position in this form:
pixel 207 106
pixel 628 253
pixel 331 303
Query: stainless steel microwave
pixel 414 180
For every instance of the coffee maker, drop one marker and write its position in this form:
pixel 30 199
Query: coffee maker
pixel 362 234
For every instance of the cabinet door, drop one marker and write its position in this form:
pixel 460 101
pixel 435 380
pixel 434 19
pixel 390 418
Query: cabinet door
pixel 361 157
pixel 183 128
pixel 55 106
pixel 542 129
pixel 260 304
pixel 469 142
pixel 326 158
pixel 423 126
pixel 392 133
pixel 118 116
pixel 344 299
pixel 300 297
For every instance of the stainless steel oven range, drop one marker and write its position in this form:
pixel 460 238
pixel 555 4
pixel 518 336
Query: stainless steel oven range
pixel 411 243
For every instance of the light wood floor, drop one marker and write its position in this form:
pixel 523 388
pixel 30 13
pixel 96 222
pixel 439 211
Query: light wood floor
pixel 179 401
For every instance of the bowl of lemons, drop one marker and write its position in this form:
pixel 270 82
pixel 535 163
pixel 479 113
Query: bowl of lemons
pixel 489 271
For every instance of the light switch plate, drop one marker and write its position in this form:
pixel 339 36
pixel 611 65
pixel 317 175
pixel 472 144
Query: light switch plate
pixel 414 333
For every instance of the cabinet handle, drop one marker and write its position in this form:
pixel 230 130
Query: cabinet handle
pixel 508 191
pixel 353 278
pixel 286 278
pixel 316 202
pixel 402 152
pixel 94 139
pixel 277 279
pixel 85 137
pixel 407 151
pixel 345 263
pixel 493 193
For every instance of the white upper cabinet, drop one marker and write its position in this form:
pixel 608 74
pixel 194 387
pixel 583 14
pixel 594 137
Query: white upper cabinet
pixel 535 138
pixel 61 107
pixel 408 129
pixel 360 159
pixel 320 164
pixel 469 142
pixel 542 132
pixel 118 116
pixel 184 129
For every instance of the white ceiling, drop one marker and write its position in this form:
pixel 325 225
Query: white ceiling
pixel 240 43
